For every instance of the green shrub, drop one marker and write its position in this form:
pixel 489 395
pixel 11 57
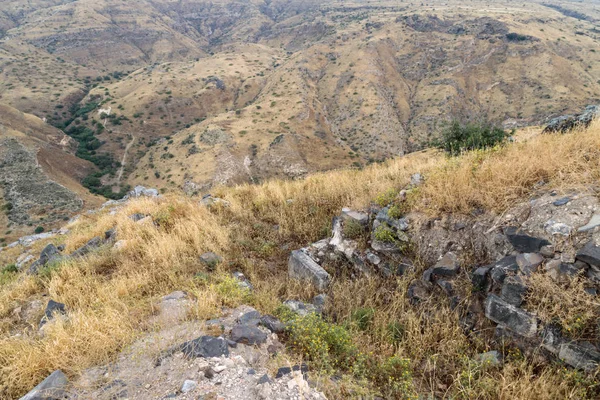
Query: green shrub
pixel 383 233
pixel 353 229
pixel 327 345
pixel 458 137
pixel 363 317
pixel 39 230
pixel 395 212
pixel 9 269
pixel 396 332
pixel 386 198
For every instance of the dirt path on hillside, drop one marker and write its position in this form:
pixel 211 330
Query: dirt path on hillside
pixel 124 160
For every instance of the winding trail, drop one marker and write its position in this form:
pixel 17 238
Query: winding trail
pixel 124 159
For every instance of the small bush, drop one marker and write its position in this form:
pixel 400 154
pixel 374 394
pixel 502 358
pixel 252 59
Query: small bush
pixel 322 342
pixel 395 212
pixel 384 234
pixel 353 229
pixel 9 269
pixel 457 138
pixel 39 230
pixel 363 317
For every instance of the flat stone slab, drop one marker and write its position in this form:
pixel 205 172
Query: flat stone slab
pixel 205 346
pixel 53 387
pixel 579 356
pixel 302 267
pixel 361 218
pixel 523 242
pixel 515 319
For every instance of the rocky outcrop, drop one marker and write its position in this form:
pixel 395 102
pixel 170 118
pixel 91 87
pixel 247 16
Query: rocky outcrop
pixel 566 123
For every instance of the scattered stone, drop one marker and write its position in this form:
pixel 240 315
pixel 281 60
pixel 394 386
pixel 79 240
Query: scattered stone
pixel 592 291
pixel 177 295
pixel 247 334
pixel 361 218
pixel 272 324
pixel 299 307
pixel 219 368
pixel 141 191
pixel 523 242
pixel 558 270
pixel 547 251
pixel 251 371
pixel 210 201
pixel 388 248
pixel 479 278
pixel 319 301
pixel 251 317
pixel 491 358
pixel 580 356
pixel 211 260
pixel 446 287
pixel 589 254
pixel 557 228
pixel 243 282
pixel 283 371
pixel 87 248
pixel 302 267
pixel 264 379
pixel 447 266
pixel 419 291
pixel 137 217
pixel 562 202
pixel 205 346
pixel 592 224
pixel 593 273
pixel 52 309
pixel 416 179
pixel 510 316
pixel 373 258
pixel 502 267
pixel 529 262
pixel 188 386
pixel 120 245
pixel 209 373
pixel 51 388
pixel 400 224
pixel 514 290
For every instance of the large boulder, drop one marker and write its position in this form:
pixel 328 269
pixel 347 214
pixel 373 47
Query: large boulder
pixel 302 267
pixel 51 388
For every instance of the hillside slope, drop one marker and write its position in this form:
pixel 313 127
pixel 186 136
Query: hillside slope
pixel 401 323
pixel 40 175
pixel 293 87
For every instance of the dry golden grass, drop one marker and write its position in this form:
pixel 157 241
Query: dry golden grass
pixel 496 179
pixel 110 294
